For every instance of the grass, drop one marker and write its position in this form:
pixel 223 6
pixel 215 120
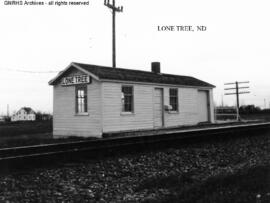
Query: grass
pixel 246 116
pixel 242 186
pixel 256 116
pixel 16 134
pixel 13 129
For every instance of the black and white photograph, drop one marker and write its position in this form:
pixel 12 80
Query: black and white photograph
pixel 134 101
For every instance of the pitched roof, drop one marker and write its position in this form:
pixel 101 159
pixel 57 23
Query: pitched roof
pixel 28 110
pixel 109 73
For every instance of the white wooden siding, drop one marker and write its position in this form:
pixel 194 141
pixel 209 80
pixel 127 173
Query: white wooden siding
pixel 115 120
pixel 187 113
pixel 144 116
pixel 65 120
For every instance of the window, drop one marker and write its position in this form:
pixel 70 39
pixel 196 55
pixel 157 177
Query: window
pixel 127 99
pixel 174 99
pixel 81 99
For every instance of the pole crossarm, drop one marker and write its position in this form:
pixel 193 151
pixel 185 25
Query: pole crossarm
pixel 243 87
pixel 233 83
pixel 112 6
pixel 233 88
pixel 236 93
pixel 244 92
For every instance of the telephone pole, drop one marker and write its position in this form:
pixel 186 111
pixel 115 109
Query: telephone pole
pixel 114 9
pixel 8 110
pixel 236 88
pixel 222 102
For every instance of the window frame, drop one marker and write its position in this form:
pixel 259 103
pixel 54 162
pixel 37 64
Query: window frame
pixel 123 104
pixel 84 99
pixel 172 97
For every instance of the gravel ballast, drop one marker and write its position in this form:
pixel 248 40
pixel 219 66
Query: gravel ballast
pixel 135 177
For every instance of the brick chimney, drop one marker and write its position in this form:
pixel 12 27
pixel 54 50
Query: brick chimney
pixel 155 67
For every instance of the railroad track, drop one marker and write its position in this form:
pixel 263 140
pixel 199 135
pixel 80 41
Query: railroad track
pixel 38 153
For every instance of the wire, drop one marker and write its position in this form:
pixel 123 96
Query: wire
pixel 29 71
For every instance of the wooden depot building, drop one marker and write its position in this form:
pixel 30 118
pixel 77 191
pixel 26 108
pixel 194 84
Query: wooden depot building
pixel 89 100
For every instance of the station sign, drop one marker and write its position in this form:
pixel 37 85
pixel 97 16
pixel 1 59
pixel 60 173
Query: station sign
pixel 76 80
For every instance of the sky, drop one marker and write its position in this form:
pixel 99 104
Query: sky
pixel 36 42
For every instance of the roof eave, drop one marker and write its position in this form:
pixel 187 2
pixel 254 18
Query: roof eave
pixel 151 83
pixel 53 81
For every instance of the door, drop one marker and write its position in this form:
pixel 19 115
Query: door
pixel 158 108
pixel 203 106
